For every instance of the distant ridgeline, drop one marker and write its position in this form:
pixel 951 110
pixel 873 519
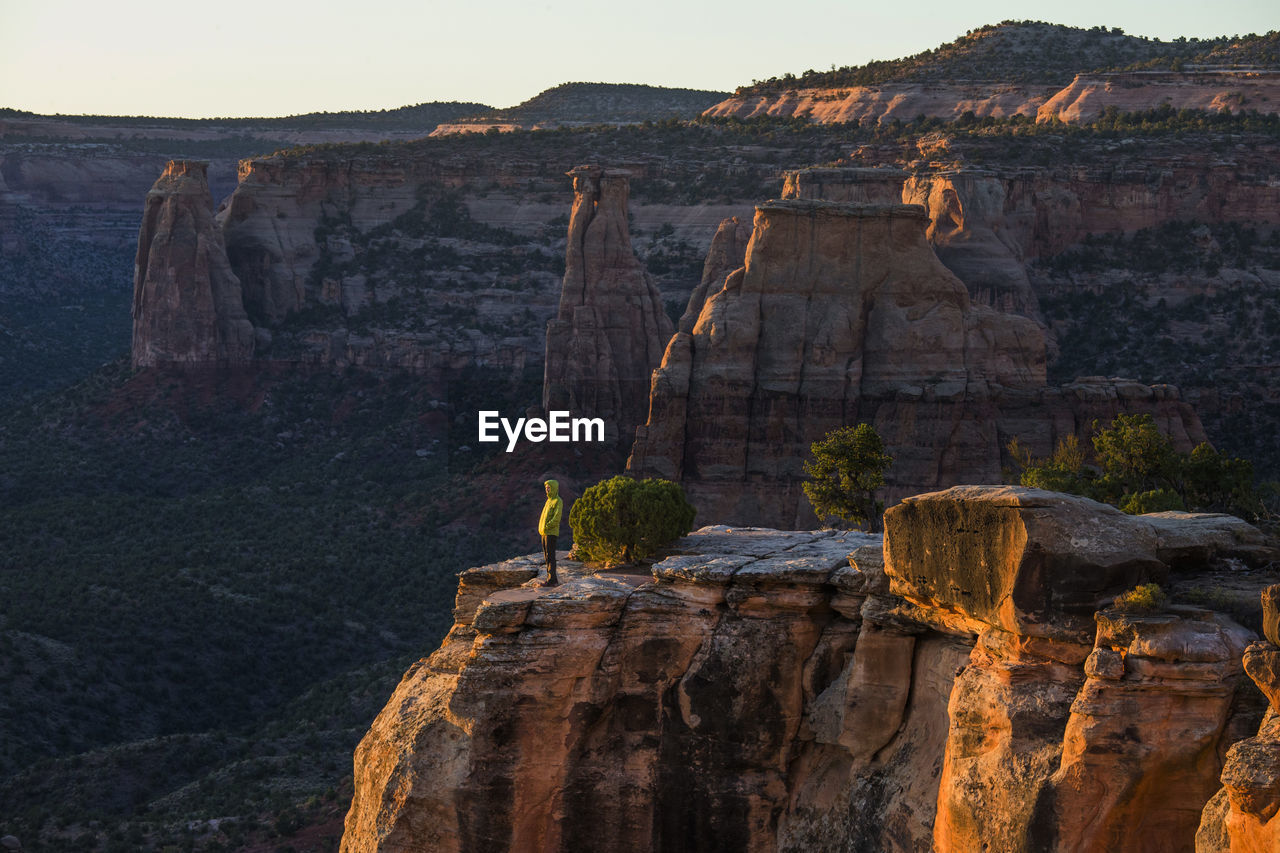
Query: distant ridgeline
pixel 580 104
pixel 1033 52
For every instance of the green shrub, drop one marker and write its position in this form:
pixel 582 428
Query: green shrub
pixel 621 519
pixel 1156 500
pixel 1144 598
pixel 848 467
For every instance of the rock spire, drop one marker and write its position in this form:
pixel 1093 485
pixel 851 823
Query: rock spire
pixel 187 303
pixel 610 330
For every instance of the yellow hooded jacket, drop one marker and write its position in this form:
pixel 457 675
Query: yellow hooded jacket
pixel 549 523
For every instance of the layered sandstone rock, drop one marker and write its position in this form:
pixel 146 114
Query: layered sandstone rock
pixel 1209 89
pixel 187 304
pixel 1242 816
pixel 611 328
pixel 842 312
pixel 766 690
pixel 860 185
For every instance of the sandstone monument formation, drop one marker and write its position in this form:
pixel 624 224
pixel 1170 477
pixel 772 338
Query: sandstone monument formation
pixel 843 313
pixel 965 687
pixel 187 302
pixel 610 330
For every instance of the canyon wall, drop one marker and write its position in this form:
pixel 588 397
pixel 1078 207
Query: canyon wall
pixel 843 313
pixel 963 684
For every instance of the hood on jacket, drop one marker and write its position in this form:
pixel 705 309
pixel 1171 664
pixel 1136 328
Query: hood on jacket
pixel 553 489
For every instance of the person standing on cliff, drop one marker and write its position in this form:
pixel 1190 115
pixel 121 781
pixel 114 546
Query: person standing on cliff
pixel 549 528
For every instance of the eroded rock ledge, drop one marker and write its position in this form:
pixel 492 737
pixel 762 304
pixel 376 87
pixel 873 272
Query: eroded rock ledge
pixel 962 686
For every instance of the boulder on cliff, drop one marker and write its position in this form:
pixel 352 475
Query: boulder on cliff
pixel 187 303
pixel 610 330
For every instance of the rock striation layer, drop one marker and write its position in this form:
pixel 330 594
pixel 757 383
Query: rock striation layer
pixel 764 690
pixel 187 302
pixel 610 330
pixel 861 185
pixel 843 313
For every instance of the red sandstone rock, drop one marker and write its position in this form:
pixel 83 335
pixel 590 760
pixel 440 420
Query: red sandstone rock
pixel 611 328
pixel 187 305
pixel 1242 817
pixel 763 692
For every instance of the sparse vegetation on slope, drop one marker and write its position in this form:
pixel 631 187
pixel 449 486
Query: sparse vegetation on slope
pixel 604 103
pixel 1034 53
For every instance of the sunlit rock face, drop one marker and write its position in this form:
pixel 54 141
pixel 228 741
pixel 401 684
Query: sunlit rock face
pixel 1089 95
pixel 768 690
pixel 843 313
pixel 610 330
pixel 969 231
pixel 1242 816
pixel 727 253
pixel 889 101
pixel 187 304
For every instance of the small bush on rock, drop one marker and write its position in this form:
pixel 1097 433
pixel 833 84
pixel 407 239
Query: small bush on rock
pixel 1144 598
pixel 621 519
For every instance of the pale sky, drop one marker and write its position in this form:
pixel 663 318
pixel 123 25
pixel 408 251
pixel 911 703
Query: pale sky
pixel 271 57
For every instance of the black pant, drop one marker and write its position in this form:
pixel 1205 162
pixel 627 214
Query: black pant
pixel 549 552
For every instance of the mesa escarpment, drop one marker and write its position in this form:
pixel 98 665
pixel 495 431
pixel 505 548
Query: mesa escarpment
pixel 610 330
pixel 1214 90
pixel 187 304
pixel 842 312
pixel 767 690
pixel 888 101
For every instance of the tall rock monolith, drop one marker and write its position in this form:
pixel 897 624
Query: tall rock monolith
pixel 187 303
pixel 610 331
